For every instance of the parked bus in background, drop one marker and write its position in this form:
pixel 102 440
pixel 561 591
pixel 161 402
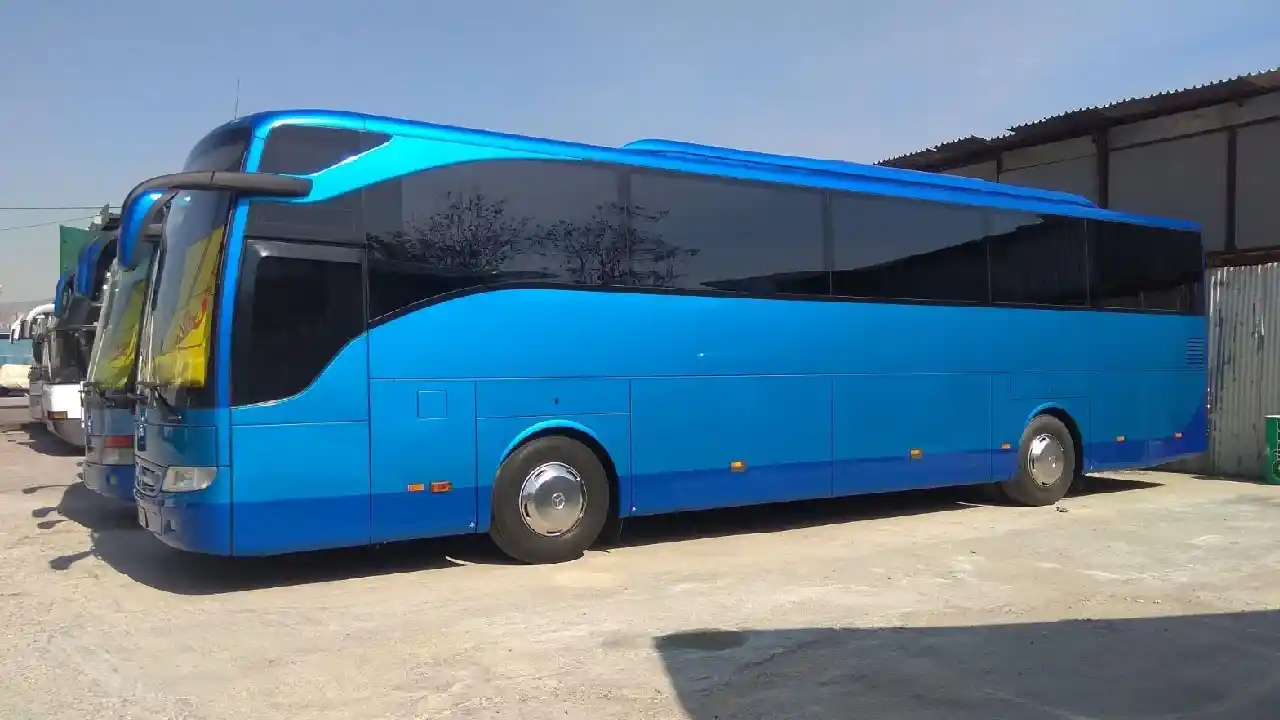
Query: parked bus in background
pixel 71 340
pixel 34 326
pixel 107 390
pixel 364 330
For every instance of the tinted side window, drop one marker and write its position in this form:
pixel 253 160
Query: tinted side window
pixel 303 150
pixel 222 149
pixel 1136 266
pixel 894 249
pixel 1038 259
pixel 482 223
pixel 700 234
pixel 303 312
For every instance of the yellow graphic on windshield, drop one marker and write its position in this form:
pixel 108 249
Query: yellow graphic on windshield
pixel 182 358
pixel 122 347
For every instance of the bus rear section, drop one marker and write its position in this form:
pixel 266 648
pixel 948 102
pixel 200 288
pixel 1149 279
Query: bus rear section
pixel 446 338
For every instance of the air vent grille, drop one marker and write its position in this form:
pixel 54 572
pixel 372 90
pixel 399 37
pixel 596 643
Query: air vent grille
pixel 1195 353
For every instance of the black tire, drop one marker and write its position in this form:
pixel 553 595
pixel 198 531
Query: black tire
pixel 509 529
pixel 1023 488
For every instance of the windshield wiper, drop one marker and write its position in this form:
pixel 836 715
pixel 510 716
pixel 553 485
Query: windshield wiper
pixel 156 392
pixel 110 397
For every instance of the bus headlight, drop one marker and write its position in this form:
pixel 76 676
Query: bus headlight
pixel 115 456
pixel 187 479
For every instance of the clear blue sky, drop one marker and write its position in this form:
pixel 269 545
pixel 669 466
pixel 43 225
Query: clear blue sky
pixel 97 96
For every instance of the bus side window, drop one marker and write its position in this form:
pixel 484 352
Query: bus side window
pixel 897 249
pixel 1038 259
pixel 489 222
pixel 303 312
pixel 1136 266
pixel 697 233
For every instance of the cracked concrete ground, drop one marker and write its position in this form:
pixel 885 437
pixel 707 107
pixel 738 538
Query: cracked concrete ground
pixel 1154 595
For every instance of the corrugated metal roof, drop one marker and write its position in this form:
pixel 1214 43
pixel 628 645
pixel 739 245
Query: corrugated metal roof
pixel 1087 120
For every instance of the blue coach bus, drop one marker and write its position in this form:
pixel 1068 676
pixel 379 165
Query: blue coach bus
pixel 108 396
pixel 365 330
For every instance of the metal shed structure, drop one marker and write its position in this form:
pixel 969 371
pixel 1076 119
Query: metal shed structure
pixel 1209 154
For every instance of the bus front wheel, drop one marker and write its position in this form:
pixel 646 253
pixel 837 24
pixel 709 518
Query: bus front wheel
pixel 1046 463
pixel 550 501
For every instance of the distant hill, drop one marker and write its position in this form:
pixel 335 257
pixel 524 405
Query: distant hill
pixel 10 310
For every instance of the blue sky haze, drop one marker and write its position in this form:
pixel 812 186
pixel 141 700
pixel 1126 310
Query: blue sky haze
pixel 95 96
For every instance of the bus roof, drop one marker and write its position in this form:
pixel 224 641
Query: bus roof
pixel 724 162
pixel 85 268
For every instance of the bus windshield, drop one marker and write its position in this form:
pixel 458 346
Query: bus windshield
pixel 116 350
pixel 175 353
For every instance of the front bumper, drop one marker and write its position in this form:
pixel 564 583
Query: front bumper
pixel 190 521
pixel 110 481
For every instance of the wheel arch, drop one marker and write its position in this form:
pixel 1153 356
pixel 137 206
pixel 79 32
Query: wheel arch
pixel 582 434
pixel 1061 414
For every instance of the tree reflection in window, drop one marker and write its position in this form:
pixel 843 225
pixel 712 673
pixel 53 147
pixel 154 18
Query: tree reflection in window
pixel 618 245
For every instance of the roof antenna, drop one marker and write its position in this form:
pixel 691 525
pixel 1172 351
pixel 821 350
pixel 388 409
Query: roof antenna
pixel 235 113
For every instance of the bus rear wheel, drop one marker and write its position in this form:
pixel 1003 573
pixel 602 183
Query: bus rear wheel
pixel 1046 464
pixel 550 501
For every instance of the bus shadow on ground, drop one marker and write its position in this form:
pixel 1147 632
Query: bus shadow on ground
pixel 834 511
pixel 85 508
pixel 44 442
pixel 1193 666
pixel 116 539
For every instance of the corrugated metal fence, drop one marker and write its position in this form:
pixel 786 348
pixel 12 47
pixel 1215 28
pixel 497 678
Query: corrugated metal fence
pixel 1244 368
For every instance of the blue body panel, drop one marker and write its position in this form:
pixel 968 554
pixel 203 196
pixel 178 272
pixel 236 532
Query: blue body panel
pixel 197 521
pixel 80 282
pixel 86 277
pixel 743 401
pixel 68 277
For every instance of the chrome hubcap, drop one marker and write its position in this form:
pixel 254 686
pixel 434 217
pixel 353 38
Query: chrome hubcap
pixel 553 499
pixel 1046 460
